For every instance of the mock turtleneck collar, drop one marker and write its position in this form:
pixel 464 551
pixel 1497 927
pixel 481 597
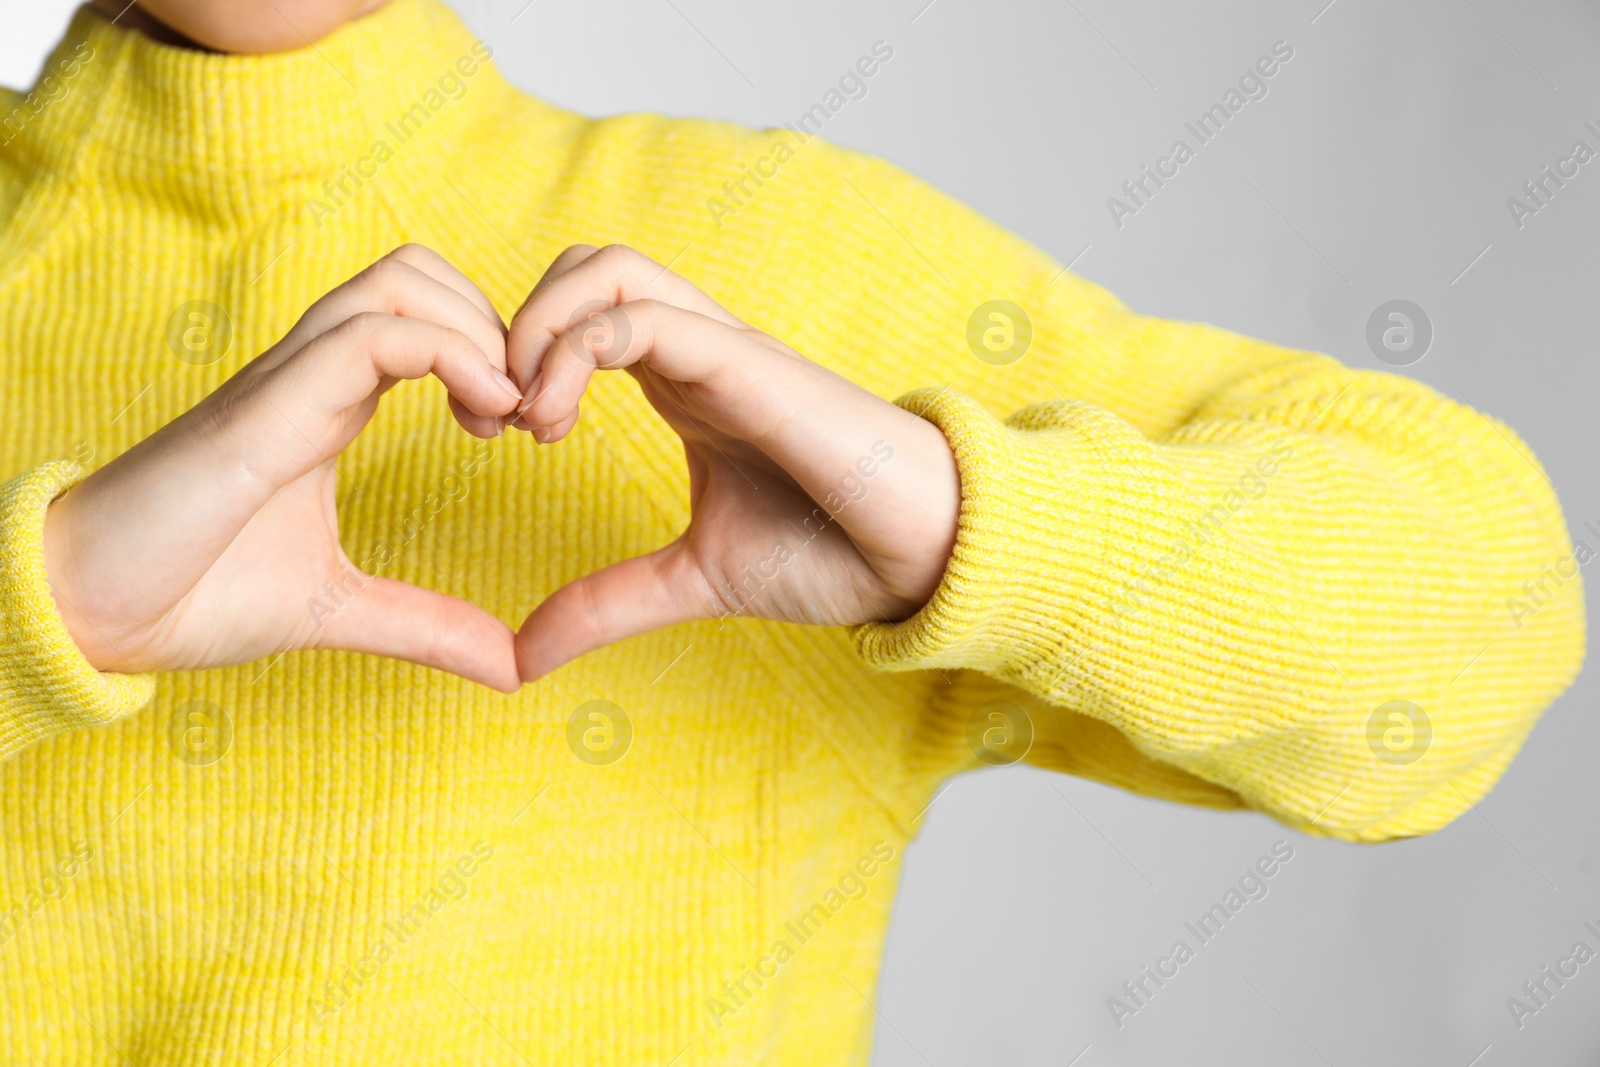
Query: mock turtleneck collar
pixel 161 112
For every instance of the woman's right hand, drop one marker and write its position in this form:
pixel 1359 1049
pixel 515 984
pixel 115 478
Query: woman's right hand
pixel 202 545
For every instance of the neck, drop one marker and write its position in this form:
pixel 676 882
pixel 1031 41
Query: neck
pixel 230 136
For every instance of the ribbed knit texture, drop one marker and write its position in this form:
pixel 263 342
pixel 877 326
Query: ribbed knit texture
pixel 1197 561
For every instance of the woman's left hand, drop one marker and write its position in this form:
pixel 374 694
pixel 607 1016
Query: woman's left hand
pixel 812 500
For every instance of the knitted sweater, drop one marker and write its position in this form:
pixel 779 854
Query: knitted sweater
pixel 1190 564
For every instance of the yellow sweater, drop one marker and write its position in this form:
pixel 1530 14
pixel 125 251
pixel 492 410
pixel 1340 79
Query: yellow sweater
pixel 1190 564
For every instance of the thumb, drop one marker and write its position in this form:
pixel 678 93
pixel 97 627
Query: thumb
pixel 401 621
pixel 636 596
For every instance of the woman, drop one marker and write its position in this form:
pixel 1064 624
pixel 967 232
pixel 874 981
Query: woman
pixel 281 783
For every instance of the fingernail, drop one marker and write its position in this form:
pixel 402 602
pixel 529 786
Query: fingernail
pixel 509 386
pixel 530 396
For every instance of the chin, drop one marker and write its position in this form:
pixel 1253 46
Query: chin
pixel 255 26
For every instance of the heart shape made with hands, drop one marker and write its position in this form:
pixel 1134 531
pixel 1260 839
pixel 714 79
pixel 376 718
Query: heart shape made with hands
pixel 812 500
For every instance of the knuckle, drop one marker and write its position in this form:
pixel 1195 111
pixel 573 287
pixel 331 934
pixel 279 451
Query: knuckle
pixel 381 274
pixel 619 257
pixel 649 315
pixel 362 328
pixel 236 403
pixel 367 323
pixel 570 257
pixel 411 252
pixel 453 341
pixel 226 407
pixel 590 608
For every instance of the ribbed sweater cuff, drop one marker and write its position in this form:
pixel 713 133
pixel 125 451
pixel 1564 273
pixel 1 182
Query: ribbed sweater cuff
pixel 46 684
pixel 1026 527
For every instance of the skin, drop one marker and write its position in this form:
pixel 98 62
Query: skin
pixel 202 545
pixel 242 26
pixel 767 434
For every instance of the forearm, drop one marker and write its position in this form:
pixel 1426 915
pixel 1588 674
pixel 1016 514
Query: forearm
pixel 1241 594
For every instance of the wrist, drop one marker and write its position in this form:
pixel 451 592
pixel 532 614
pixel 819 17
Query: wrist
pixel 939 522
pixel 61 574
pixel 43 674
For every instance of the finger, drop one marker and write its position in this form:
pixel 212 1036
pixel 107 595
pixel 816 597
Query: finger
pixel 411 282
pixel 549 434
pixel 348 364
pixel 446 273
pixel 824 431
pixel 564 372
pixel 276 424
pixel 685 347
pixel 633 597
pixel 570 257
pixel 269 425
pixel 385 617
pixel 594 282
pixel 443 271
pixel 485 426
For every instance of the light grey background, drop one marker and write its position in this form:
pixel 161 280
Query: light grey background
pixel 1377 167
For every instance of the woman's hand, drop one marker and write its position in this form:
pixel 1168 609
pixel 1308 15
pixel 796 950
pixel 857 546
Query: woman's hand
pixel 204 544
pixel 812 499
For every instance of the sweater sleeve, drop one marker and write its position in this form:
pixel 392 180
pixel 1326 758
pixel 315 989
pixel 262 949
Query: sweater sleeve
pixel 1214 569
pixel 46 684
